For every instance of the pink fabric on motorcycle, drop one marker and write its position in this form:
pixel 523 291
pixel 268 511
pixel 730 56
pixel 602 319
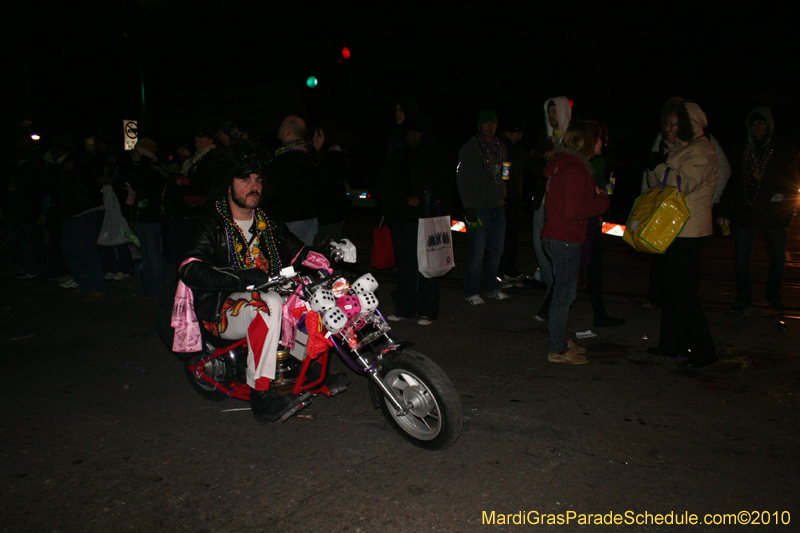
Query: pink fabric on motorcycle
pixel 188 337
pixel 290 319
pixel 317 261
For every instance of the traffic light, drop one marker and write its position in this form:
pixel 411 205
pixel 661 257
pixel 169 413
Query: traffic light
pixel 312 82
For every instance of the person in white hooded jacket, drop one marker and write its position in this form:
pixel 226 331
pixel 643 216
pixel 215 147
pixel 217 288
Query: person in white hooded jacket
pixel 690 164
pixel 655 289
pixel 557 116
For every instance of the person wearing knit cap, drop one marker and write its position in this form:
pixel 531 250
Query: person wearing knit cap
pixel 521 160
pixel 483 191
pixel 762 197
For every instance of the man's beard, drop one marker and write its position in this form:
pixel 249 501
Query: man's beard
pixel 241 201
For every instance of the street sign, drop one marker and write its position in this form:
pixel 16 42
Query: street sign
pixel 130 133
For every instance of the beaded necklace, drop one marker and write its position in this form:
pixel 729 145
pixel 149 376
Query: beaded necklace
pixel 750 166
pixel 292 146
pixel 242 254
pixel 492 155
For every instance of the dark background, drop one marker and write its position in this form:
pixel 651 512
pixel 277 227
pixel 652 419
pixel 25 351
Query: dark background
pixel 78 68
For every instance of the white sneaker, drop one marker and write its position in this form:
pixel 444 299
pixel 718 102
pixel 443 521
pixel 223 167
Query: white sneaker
pixel 424 321
pixel 475 300
pixel 71 284
pixel 120 276
pixel 498 295
pixel 395 318
pixel 109 275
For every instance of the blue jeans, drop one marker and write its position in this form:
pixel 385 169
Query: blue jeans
pixel 484 249
pixel 775 240
pixel 565 257
pixel 149 234
pixel 541 257
pixel 79 246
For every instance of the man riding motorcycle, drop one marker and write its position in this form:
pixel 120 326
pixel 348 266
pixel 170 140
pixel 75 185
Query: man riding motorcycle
pixel 234 248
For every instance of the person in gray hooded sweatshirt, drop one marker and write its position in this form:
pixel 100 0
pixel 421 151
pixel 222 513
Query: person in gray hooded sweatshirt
pixel 762 197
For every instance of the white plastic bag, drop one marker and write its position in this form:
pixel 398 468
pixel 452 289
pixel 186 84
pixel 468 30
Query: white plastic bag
pixel 114 224
pixel 434 247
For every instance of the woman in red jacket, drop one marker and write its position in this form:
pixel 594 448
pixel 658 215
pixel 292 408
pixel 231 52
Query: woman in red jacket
pixel 572 198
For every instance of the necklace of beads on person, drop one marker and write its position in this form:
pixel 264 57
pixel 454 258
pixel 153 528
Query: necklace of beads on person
pixel 750 166
pixel 492 155
pixel 292 146
pixel 245 256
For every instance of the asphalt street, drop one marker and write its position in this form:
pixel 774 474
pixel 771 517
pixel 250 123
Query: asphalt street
pixel 100 430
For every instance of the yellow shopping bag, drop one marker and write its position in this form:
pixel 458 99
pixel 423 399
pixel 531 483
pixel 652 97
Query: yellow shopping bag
pixel 657 218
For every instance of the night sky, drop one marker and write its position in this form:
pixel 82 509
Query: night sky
pixel 77 69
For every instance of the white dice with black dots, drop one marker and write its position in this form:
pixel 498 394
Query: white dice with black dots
pixel 364 284
pixel 322 300
pixel 368 301
pixel 334 320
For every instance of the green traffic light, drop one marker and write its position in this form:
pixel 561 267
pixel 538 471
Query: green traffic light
pixel 312 82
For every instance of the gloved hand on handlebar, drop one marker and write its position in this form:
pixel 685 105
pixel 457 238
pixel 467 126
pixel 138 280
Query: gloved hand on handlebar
pixel 251 277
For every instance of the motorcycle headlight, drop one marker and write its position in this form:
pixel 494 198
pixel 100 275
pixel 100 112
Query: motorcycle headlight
pixel 340 287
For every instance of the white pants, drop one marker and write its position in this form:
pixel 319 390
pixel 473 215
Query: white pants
pixel 256 316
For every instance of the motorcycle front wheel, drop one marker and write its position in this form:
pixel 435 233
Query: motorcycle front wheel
pixel 435 418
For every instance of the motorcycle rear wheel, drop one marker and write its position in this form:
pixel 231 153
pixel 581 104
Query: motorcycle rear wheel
pixel 201 387
pixel 435 419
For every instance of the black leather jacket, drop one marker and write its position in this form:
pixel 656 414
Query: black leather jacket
pixel 211 278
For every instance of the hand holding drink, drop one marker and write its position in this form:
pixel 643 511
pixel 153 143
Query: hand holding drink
pixel 725 224
pixel 612 181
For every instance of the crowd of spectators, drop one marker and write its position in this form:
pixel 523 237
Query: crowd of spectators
pixel 88 213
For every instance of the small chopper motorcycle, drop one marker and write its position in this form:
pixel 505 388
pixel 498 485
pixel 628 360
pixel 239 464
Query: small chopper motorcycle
pixel 413 393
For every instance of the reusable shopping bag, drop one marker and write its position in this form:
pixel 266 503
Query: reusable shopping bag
pixel 434 247
pixel 114 224
pixel 657 218
pixel 382 250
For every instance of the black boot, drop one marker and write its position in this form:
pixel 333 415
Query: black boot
pixel 269 406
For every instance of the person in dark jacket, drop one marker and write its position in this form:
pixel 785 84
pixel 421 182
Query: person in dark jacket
pixel 236 247
pixel 81 202
pixel 416 184
pixel 483 192
pixel 331 168
pixel 294 178
pixel 762 197
pixel 520 159
pixel 148 181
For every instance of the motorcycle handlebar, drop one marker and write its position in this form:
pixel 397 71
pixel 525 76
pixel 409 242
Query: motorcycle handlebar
pixel 306 288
